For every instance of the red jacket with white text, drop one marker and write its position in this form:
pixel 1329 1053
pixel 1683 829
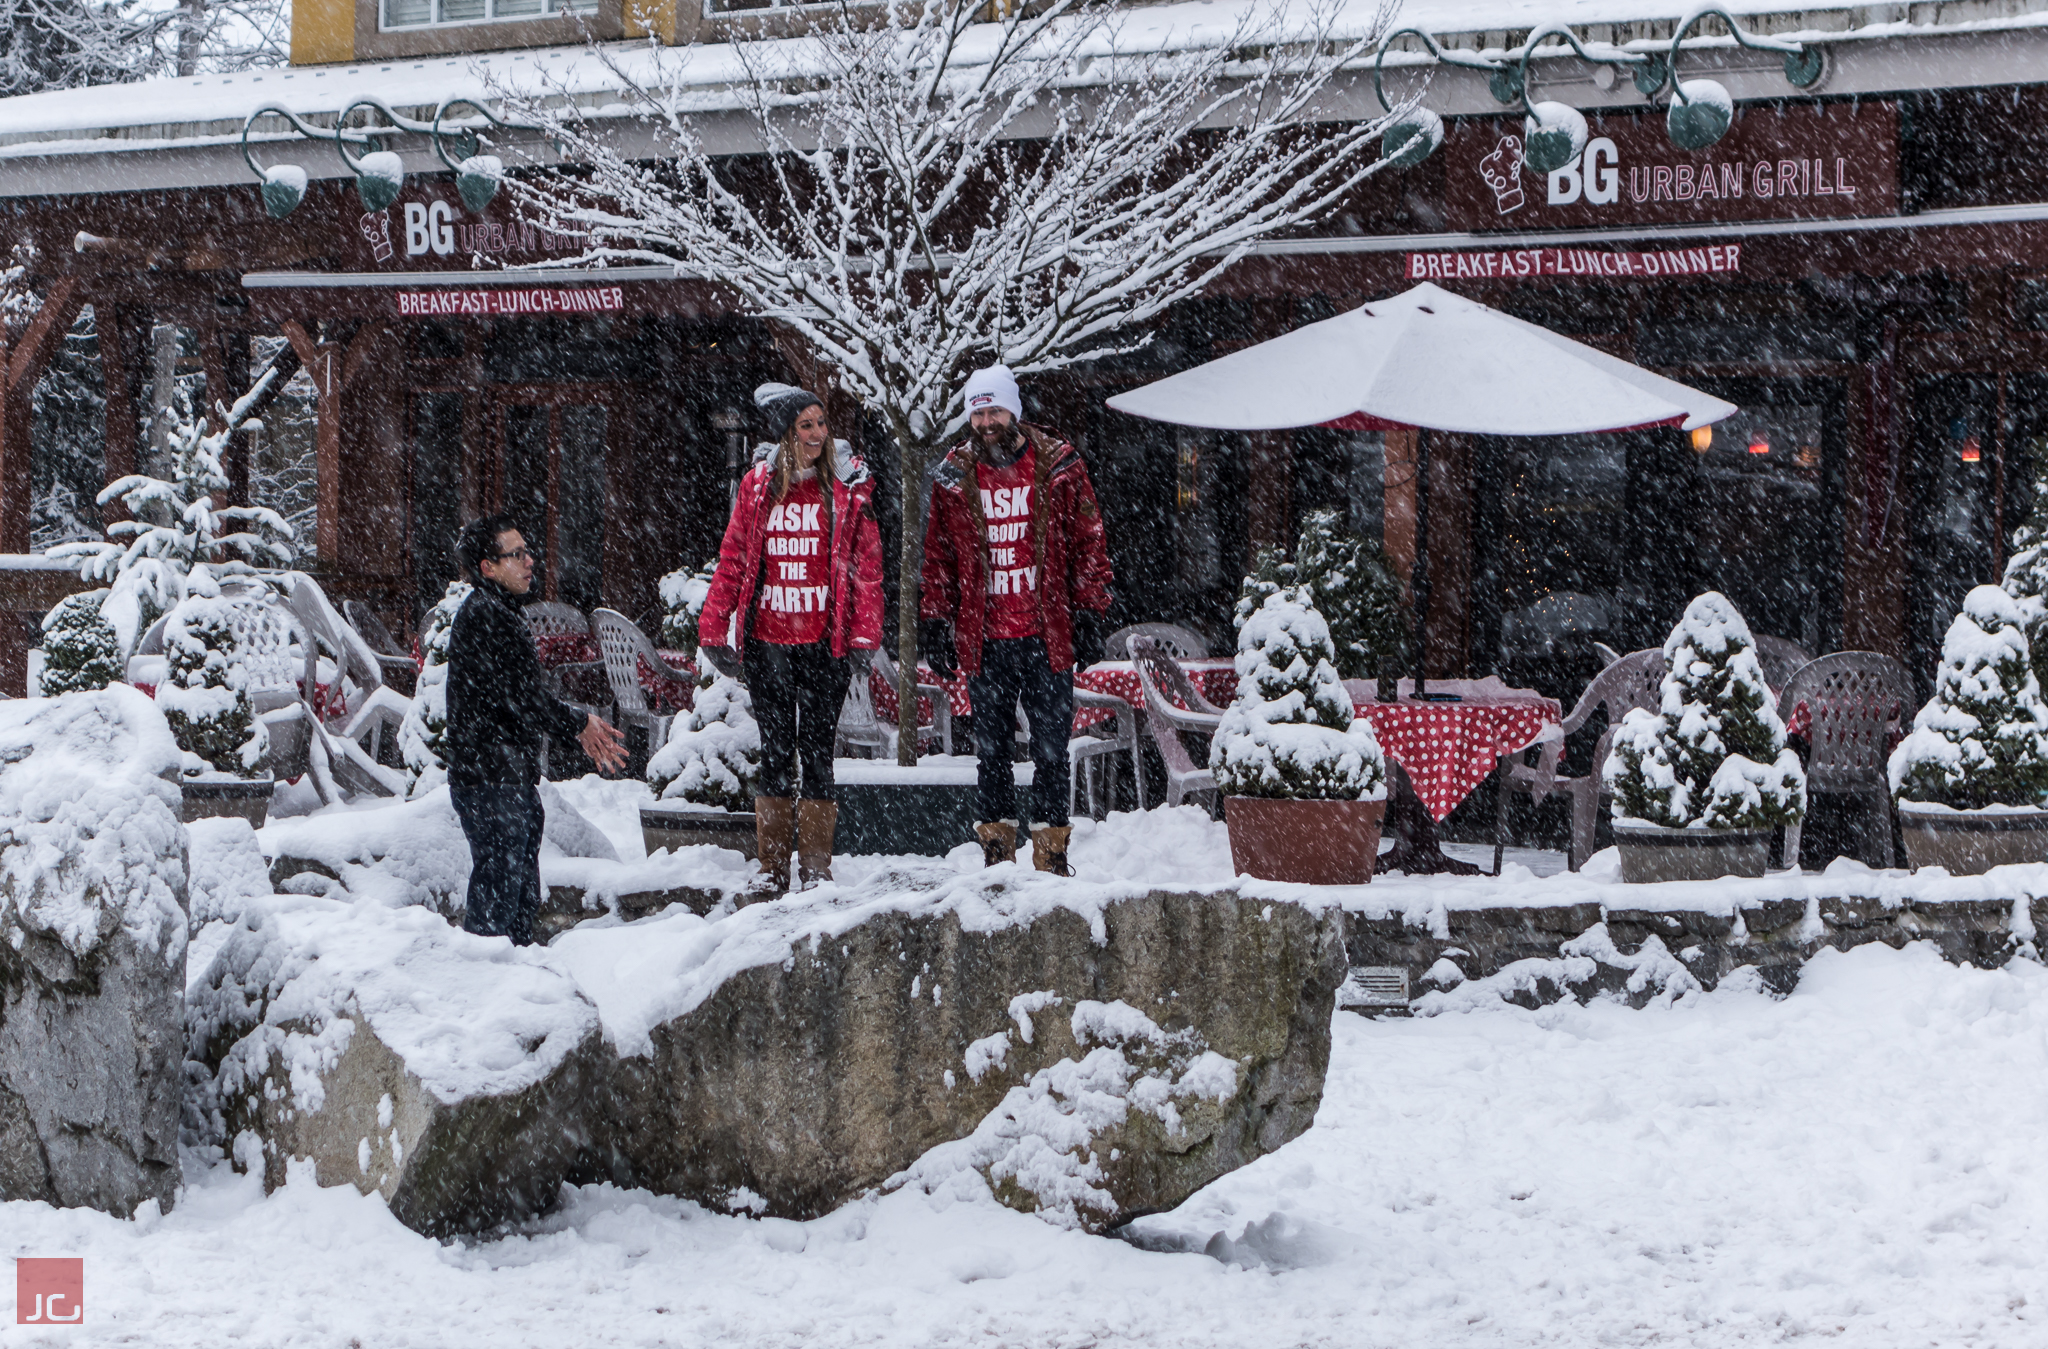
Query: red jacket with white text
pixel 1068 547
pixel 854 618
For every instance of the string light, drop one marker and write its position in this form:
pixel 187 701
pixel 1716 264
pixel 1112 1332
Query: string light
pixel 1757 443
pixel 1972 451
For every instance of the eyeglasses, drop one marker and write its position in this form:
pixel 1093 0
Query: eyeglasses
pixel 516 555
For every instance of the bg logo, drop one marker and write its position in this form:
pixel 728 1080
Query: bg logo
pixel 48 1292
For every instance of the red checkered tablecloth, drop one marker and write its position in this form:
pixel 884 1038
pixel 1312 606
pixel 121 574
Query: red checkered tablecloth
pixel 1449 748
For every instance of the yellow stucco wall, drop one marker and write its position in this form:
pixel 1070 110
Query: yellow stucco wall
pixel 650 16
pixel 324 31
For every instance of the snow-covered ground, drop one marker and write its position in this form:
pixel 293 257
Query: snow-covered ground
pixel 1856 1164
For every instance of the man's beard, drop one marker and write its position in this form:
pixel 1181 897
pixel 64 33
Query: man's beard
pixel 998 437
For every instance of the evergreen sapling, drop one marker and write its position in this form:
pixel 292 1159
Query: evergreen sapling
pixel 81 650
pixel 1354 589
pixel 206 697
pixel 1292 732
pixel 715 759
pixel 1713 755
pixel 1982 739
pixel 423 735
pixel 682 599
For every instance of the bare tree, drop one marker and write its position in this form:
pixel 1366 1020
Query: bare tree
pixel 935 191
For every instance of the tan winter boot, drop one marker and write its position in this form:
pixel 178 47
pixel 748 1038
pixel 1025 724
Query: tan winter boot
pixel 816 823
pixel 1049 848
pixel 774 838
pixel 998 841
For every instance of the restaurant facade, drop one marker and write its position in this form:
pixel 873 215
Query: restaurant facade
pixel 1860 265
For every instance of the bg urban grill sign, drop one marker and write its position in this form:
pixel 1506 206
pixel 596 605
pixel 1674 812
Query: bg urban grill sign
pixel 1803 164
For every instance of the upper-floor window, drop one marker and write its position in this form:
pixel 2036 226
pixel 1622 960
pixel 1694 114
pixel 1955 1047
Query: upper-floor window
pixel 420 13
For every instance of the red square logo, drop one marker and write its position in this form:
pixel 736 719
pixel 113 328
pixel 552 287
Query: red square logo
pixel 49 1292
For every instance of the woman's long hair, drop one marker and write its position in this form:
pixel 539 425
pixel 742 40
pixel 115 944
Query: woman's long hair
pixel 786 471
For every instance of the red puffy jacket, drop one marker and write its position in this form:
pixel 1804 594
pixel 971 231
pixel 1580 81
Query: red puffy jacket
pixel 1068 547
pixel 854 617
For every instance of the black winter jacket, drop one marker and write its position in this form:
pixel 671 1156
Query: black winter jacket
pixel 499 705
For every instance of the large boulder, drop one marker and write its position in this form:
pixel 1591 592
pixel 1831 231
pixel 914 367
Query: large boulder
pixel 398 1054
pixel 92 951
pixel 797 1084
pixel 1090 1055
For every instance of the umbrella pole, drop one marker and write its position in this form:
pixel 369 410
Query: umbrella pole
pixel 1419 571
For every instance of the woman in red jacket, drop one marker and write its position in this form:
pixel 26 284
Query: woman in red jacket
pixel 795 609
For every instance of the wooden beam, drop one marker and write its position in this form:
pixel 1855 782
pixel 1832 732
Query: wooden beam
pixel 38 342
pixel 322 361
pixel 120 367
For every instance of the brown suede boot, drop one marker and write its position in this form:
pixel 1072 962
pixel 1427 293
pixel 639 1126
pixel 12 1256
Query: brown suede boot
pixel 998 841
pixel 774 838
pixel 1049 848
pixel 816 823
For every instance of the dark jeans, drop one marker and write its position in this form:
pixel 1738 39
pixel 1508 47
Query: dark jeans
pixel 797 693
pixel 503 822
pixel 1012 671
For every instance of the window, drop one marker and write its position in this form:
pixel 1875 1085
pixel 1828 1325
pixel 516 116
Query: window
pixel 421 13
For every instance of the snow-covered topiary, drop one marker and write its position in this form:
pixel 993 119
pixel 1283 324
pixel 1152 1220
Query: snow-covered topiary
pixel 714 759
pixel 1713 755
pixel 1271 572
pixel 177 529
pixel 1982 739
pixel 682 599
pixel 1355 591
pixel 1292 732
pixel 80 649
pixel 206 698
pixel 423 735
pixel 2026 574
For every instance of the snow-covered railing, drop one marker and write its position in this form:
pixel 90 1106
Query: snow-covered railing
pixel 1554 134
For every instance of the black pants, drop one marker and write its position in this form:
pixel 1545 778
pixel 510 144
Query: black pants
pixel 503 822
pixel 797 693
pixel 1013 671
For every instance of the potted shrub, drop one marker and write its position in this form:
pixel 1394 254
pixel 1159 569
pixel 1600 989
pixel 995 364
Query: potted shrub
pixel 703 778
pixel 206 699
pixel 1700 784
pixel 1970 778
pixel 1303 781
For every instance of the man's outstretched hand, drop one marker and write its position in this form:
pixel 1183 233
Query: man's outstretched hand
pixel 604 743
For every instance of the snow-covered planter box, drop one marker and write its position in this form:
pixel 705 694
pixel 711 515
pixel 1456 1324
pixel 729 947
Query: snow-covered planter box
pixel 1700 784
pixel 680 824
pixel 1302 777
pixel 1971 777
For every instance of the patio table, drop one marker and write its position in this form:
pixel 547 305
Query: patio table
pixel 1444 750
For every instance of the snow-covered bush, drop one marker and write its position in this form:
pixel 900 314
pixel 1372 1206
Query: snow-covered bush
pixel 207 697
pixel 1982 739
pixel 1713 755
pixel 423 735
pixel 178 531
pixel 1292 731
pixel 682 598
pixel 714 759
pixel 80 649
pixel 1271 572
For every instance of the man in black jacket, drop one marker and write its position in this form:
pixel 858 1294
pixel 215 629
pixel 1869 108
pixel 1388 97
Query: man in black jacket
pixel 499 706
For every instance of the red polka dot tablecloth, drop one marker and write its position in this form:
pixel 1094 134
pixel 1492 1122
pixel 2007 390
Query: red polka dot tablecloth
pixel 1449 748
pixel 1214 679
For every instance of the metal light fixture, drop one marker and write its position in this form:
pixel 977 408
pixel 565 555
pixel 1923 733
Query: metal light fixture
pixel 1553 136
pixel 1411 138
pixel 1702 438
pixel 380 174
pixel 1700 114
pixel 1758 443
pixel 1972 450
pixel 283 185
pixel 478 176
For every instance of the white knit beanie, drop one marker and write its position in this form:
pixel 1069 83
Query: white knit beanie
pixel 994 387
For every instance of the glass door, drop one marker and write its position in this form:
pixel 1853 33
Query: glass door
pixel 552 481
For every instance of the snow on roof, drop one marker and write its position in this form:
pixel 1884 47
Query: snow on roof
pixel 197 109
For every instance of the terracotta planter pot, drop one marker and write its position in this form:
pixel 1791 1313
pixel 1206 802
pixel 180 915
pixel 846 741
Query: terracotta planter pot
pixel 214 795
pixel 1968 843
pixel 1650 853
pixel 1311 842
pixel 684 826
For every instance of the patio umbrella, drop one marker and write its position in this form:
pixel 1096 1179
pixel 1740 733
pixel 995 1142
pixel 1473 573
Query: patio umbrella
pixel 1424 359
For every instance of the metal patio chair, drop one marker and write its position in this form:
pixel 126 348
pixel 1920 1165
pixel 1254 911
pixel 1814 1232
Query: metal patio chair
pixel 1165 683
pixel 1635 680
pixel 1853 699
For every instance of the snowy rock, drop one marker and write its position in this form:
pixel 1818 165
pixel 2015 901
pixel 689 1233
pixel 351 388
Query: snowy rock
pixel 92 951
pixel 1092 1054
pixel 446 1072
pixel 812 1079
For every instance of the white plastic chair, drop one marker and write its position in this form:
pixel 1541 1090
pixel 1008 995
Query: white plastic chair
pixel 1164 683
pixel 1084 751
pixel 1852 699
pixel 1635 680
pixel 1184 643
pixel 623 647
